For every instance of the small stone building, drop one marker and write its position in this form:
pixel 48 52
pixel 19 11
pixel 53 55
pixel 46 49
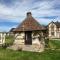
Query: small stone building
pixel 54 29
pixel 29 35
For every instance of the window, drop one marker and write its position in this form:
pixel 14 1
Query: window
pixel 57 29
pixel 52 33
pixel 52 27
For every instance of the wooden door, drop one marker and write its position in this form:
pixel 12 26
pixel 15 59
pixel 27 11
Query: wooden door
pixel 28 37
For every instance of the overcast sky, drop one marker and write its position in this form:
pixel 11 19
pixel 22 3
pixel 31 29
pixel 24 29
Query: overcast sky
pixel 13 12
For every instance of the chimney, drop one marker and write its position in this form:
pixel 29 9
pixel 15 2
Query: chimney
pixel 29 14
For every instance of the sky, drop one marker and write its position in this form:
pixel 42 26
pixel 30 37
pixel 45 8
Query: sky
pixel 13 12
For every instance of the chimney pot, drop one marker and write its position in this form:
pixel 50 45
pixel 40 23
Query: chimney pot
pixel 29 14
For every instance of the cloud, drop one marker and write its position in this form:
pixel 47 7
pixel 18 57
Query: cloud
pixel 49 17
pixel 14 11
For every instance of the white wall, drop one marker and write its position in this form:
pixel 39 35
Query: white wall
pixel 56 33
pixel 19 38
pixel 2 38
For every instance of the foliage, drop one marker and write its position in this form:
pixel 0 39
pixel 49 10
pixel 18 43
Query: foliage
pixel 46 42
pixel 8 41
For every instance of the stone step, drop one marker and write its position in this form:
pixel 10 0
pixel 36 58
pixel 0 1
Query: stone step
pixel 34 48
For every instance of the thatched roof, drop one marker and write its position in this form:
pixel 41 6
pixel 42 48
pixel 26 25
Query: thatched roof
pixel 29 24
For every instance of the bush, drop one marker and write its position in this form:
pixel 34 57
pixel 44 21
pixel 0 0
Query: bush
pixel 5 45
pixel 8 41
pixel 47 42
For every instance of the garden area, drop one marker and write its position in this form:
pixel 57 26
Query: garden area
pixel 6 54
pixel 53 53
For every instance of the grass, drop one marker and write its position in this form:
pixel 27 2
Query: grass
pixel 48 54
pixel 54 43
pixel 6 54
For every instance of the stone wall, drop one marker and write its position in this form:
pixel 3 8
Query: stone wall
pixel 19 43
pixel 19 38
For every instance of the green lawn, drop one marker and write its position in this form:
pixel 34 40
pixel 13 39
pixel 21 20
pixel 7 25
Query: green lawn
pixel 54 43
pixel 48 54
pixel 6 54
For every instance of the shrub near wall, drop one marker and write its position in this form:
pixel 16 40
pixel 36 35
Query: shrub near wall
pixel 8 41
pixel 46 42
